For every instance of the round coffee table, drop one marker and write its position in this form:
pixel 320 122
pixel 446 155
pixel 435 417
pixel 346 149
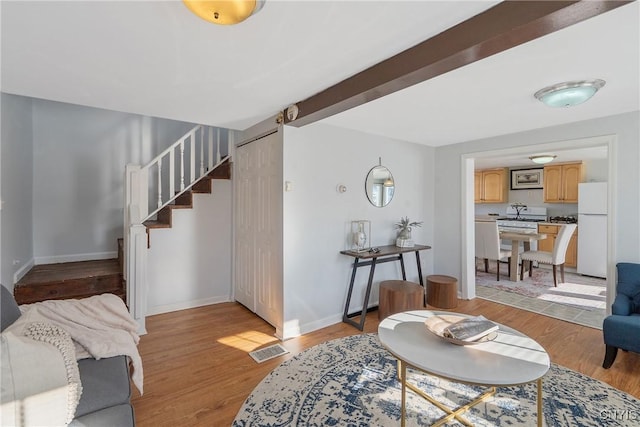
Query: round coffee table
pixel 512 358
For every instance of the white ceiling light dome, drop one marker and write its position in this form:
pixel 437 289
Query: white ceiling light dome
pixel 568 94
pixel 542 158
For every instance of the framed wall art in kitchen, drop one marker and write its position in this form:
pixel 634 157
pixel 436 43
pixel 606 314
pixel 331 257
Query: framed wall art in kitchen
pixel 526 179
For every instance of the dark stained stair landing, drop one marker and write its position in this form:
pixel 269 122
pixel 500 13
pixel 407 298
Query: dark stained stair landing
pixel 70 280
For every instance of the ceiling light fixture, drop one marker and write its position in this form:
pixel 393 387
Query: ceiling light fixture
pixel 568 94
pixel 542 158
pixel 224 12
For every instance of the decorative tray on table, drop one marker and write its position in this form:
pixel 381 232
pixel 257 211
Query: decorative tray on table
pixel 438 325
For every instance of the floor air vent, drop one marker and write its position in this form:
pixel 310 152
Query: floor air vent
pixel 268 353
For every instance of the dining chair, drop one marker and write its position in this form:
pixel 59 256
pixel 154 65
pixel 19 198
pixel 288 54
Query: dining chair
pixel 555 258
pixel 488 246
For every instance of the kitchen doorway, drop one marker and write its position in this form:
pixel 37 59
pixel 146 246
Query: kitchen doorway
pixel 469 287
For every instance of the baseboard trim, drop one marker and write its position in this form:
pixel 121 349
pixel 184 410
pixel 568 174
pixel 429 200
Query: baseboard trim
pixel 22 271
pixel 168 308
pixel 319 324
pixel 57 259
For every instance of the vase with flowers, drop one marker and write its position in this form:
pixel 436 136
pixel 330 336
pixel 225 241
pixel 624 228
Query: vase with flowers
pixel 404 227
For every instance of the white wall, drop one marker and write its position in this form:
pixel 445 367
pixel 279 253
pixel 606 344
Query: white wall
pixel 448 239
pixel 317 218
pixel 17 184
pixel 79 155
pixel 189 265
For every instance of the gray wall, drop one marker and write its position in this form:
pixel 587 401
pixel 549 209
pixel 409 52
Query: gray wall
pixel 79 157
pixel 448 174
pixel 17 185
pixel 317 218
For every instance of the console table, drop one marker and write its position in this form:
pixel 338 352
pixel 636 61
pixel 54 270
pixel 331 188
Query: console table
pixel 365 258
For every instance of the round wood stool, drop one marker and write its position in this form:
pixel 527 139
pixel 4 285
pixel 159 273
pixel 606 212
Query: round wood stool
pixel 399 295
pixel 442 291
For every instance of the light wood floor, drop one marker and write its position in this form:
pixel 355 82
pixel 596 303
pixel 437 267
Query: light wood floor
pixel 198 373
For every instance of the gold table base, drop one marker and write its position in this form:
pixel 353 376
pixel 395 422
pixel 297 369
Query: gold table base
pixel 451 412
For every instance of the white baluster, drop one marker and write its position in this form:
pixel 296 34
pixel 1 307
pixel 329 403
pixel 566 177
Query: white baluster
pixel 201 150
pixel 218 146
pixel 160 183
pixel 192 158
pixel 210 148
pixel 172 173
pixel 182 165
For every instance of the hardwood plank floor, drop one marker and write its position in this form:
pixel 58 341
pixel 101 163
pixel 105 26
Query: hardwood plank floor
pixel 198 373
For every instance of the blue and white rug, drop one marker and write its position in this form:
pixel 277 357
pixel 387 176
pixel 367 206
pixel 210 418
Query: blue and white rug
pixel 352 381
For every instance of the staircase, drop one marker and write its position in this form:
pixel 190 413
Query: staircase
pixel 154 190
pixel 72 280
pixel 185 200
pixel 185 168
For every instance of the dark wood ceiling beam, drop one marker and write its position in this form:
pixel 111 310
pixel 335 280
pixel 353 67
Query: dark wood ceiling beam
pixel 506 25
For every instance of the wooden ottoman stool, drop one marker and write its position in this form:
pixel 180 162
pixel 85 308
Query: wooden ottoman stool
pixel 442 291
pixel 399 295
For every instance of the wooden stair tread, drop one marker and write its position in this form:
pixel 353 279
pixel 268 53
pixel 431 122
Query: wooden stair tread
pixel 221 172
pixel 70 280
pixel 152 223
pixel 70 270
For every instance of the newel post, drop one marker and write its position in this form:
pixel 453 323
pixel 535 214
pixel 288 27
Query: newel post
pixel 135 242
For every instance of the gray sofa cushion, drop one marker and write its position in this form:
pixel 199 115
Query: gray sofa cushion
pixel 105 383
pixel 116 416
pixel 9 311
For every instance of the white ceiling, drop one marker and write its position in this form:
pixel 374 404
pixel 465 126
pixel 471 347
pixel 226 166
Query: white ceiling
pixel 158 59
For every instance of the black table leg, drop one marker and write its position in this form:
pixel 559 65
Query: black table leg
pixel 363 314
pixel 345 316
pixel 419 268
pixel 424 293
pixel 404 273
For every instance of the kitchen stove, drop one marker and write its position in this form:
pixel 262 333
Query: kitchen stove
pixel 522 219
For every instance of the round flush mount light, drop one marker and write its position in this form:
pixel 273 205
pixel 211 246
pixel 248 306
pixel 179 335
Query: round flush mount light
pixel 224 12
pixel 542 158
pixel 568 94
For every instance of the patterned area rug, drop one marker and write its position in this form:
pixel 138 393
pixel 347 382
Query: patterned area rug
pixel 587 293
pixel 352 381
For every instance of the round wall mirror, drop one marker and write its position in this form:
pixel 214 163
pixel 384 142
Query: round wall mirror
pixel 379 186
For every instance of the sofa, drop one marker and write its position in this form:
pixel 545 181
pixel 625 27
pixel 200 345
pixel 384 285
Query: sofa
pixel 622 328
pixel 105 386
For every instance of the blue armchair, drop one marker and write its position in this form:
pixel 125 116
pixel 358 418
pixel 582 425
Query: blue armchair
pixel 622 328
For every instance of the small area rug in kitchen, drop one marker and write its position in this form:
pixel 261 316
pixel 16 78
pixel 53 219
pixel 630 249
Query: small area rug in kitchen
pixel 584 292
pixel 352 381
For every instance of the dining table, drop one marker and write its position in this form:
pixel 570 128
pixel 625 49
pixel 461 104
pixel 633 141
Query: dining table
pixel 516 238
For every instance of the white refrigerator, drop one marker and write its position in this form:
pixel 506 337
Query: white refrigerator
pixel 592 229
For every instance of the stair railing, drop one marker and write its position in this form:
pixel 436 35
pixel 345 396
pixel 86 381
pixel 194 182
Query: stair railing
pixel 150 188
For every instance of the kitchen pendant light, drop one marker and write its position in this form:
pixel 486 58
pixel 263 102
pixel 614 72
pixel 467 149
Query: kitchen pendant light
pixel 542 158
pixel 224 12
pixel 568 94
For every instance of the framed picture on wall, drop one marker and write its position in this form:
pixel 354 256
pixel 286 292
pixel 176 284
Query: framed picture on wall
pixel 526 179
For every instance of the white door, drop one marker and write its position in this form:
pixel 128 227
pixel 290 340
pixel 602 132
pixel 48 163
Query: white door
pixel 244 283
pixel 258 229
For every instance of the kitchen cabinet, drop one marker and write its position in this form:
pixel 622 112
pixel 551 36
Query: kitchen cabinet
pixel 490 186
pixel 561 182
pixel 546 245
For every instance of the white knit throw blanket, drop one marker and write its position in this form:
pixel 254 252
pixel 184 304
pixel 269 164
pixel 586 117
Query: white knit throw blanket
pixel 100 326
pixel 60 339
